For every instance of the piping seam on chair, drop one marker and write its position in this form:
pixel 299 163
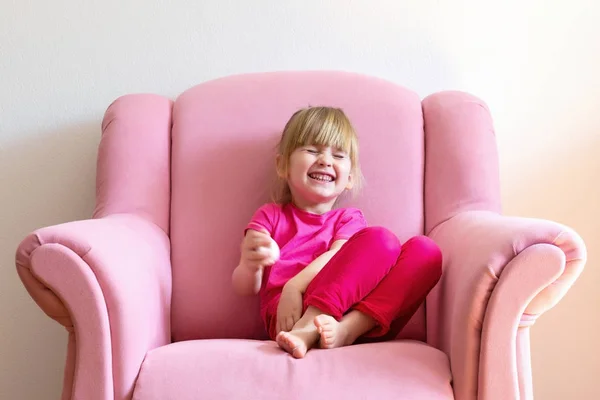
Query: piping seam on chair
pixel 70 312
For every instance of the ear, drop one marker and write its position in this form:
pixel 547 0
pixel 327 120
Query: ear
pixel 280 170
pixel 350 183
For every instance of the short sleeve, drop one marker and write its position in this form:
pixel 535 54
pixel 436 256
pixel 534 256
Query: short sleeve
pixel 264 219
pixel 349 223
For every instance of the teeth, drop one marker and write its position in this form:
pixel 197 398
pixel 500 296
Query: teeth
pixel 321 177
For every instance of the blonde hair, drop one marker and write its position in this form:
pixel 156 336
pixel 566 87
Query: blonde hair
pixel 323 126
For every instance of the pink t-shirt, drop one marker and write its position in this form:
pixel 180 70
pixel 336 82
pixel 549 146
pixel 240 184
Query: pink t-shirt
pixel 302 236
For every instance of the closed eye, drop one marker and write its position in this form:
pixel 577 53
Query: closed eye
pixel 339 156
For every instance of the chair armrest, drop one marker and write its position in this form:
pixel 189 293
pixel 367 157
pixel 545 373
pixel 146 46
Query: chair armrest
pixel 108 281
pixel 499 273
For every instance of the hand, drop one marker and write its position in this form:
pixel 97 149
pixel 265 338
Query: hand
pixel 289 309
pixel 258 250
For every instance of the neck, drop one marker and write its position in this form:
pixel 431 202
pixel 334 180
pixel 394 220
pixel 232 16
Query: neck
pixel 314 208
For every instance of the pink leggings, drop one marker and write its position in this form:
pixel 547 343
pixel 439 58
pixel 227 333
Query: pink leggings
pixel 374 274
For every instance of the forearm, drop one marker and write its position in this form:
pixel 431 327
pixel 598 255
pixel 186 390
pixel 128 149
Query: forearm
pixel 304 277
pixel 245 282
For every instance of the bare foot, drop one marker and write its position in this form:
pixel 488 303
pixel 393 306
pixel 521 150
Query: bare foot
pixel 333 334
pixel 292 344
pixel 303 335
pixel 297 342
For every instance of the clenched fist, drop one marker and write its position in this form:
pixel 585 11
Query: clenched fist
pixel 258 250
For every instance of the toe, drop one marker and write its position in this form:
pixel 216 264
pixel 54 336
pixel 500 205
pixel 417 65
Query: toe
pixel 284 341
pixel 318 321
pixel 322 320
pixel 289 341
pixel 297 353
pixel 291 344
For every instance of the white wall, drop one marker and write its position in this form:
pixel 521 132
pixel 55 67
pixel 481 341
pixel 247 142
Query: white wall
pixel 535 62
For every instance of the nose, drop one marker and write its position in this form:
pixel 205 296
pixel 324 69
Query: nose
pixel 325 159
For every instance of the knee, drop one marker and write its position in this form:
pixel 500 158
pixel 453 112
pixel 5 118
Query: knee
pixel 427 252
pixel 380 239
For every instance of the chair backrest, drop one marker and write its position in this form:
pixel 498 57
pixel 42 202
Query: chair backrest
pixel 222 167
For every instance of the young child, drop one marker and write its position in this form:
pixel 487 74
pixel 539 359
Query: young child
pixel 323 276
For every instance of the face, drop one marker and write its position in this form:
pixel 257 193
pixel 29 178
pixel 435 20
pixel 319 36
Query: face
pixel 317 175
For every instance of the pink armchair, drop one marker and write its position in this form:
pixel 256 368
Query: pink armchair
pixel 143 287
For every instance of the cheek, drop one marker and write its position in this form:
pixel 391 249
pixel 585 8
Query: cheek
pixel 300 165
pixel 344 170
pixel 297 169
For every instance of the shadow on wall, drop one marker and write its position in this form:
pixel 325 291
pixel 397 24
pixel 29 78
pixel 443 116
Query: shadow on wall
pixel 46 179
pixel 564 187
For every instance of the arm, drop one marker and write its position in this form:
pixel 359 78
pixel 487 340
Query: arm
pixel 108 281
pixel 257 251
pixel 301 281
pixel 245 281
pixel 289 309
pixel 500 274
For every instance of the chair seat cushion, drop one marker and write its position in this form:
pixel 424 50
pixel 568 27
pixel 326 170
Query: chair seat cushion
pixel 249 369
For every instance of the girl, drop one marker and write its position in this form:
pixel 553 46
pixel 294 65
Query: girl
pixel 323 276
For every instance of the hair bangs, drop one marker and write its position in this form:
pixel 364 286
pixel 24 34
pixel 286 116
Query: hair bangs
pixel 327 127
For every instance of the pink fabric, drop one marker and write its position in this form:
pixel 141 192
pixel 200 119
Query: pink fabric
pixel 108 279
pixel 301 236
pixel 71 369
pixel 461 178
pixel 373 274
pixel 89 368
pixel 245 369
pixel 523 356
pixel 354 272
pixel 518 285
pixel 133 173
pixel 495 271
pixel 400 293
pixel 461 163
pixel 223 140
